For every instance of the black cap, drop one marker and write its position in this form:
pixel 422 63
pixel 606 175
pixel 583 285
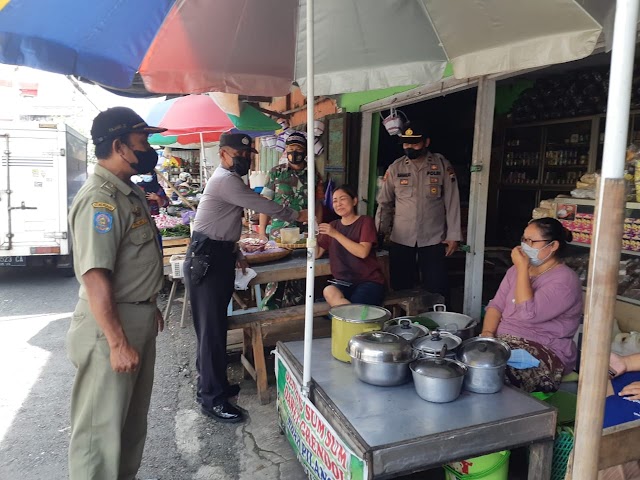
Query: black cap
pixel 117 121
pixel 413 133
pixel 297 138
pixel 237 141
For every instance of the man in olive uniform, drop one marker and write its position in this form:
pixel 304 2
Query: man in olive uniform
pixel 210 263
pixel 419 205
pixel 287 185
pixel 112 337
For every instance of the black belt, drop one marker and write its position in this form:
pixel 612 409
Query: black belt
pixel 201 244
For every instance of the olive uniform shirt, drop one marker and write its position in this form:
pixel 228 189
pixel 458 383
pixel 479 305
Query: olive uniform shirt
pixel 222 205
pixel 112 229
pixel 289 187
pixel 421 200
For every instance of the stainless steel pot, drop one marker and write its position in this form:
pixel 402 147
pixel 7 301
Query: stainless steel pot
pixel 438 380
pixel 486 358
pixel 405 328
pixel 461 325
pixel 432 345
pixel 380 358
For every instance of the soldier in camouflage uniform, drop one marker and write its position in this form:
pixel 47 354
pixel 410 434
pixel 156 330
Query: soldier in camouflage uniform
pixel 287 186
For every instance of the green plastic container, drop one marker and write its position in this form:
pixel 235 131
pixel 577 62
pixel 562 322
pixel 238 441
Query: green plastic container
pixel 494 466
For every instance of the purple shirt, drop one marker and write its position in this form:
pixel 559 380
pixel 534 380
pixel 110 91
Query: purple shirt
pixel 551 318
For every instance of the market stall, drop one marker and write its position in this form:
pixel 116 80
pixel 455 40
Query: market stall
pixel 349 429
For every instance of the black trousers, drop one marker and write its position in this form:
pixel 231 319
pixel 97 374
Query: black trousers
pixel 431 265
pixel 209 295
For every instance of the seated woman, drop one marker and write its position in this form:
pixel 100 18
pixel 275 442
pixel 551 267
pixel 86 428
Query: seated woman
pixel 352 258
pixel 538 307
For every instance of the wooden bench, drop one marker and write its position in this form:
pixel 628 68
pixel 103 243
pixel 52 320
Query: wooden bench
pixel 254 326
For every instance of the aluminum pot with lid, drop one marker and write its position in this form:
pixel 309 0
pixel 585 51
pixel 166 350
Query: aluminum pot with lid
pixel 438 380
pixel 404 327
pixel 459 324
pixel 380 358
pixel 486 358
pixel 432 345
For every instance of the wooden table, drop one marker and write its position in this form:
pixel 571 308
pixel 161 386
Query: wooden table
pixel 294 267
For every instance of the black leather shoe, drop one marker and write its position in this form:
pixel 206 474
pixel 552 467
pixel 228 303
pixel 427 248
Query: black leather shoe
pixel 223 412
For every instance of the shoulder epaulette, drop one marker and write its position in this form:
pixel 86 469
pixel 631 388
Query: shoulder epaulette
pixel 109 188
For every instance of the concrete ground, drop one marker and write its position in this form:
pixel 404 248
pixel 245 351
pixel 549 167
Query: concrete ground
pixel 182 444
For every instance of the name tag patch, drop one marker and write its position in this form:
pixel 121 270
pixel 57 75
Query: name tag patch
pixel 106 206
pixel 102 222
pixel 139 223
pixel 401 175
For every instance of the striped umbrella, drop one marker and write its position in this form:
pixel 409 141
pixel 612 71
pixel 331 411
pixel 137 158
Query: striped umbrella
pixel 199 119
pixel 257 47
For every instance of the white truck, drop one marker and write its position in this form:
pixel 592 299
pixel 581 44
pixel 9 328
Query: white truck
pixel 42 167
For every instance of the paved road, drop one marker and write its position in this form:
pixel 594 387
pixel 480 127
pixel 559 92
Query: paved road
pixel 36 379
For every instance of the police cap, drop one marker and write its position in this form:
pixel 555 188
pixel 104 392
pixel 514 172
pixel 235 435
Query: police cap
pixel 237 141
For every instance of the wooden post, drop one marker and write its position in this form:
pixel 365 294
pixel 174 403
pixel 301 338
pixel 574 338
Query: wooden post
pixel 605 249
pixel 477 225
pixel 601 300
pixel 365 160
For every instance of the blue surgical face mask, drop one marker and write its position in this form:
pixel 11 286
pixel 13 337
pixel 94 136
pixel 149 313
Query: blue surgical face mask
pixel 532 253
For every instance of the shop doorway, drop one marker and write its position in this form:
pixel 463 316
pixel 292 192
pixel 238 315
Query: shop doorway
pixel 450 122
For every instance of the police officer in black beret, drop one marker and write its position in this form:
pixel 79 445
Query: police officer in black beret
pixel 210 266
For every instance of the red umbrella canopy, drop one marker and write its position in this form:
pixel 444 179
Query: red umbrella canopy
pixel 190 114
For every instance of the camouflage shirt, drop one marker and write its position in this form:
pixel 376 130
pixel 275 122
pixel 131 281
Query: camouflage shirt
pixel 288 187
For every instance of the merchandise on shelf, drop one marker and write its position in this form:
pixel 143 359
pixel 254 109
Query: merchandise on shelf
pixel 628 274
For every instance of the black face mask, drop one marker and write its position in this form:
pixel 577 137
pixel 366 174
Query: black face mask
pixel 296 157
pixel 241 165
pixel 147 160
pixel 412 153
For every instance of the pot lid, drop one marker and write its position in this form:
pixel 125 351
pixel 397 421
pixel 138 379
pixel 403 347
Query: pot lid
pixel 432 344
pixel 484 352
pixel 403 327
pixel 378 347
pixel 357 313
pixel 438 368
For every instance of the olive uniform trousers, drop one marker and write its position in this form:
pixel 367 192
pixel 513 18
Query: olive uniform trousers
pixel 109 409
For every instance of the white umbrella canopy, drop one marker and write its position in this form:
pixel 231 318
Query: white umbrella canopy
pixel 257 47
pixel 362 45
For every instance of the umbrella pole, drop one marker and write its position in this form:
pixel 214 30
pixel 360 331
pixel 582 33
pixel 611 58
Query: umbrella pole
pixel 203 170
pixel 311 182
pixel 605 251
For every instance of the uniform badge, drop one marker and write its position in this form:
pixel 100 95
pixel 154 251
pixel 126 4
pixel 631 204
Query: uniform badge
pixel 136 211
pixel 386 175
pixel 434 166
pixel 102 222
pixel 139 223
pixel 404 181
pixel 433 179
pixel 245 141
pixel 107 206
pixel 452 174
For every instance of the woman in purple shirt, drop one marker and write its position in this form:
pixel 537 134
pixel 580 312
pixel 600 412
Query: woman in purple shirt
pixel 538 307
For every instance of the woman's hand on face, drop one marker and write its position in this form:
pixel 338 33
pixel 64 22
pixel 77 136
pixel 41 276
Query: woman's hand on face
pixel 631 391
pixel 326 229
pixel 519 258
pixel 153 196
